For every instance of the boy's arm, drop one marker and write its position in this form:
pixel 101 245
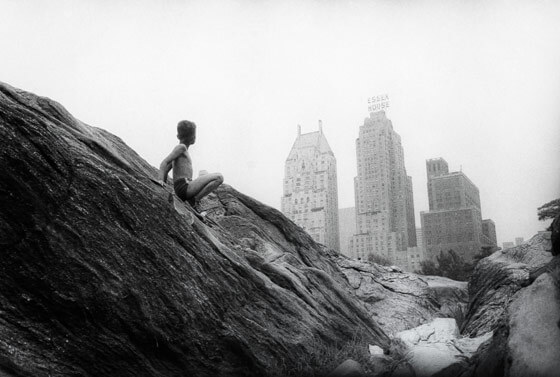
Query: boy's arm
pixel 164 169
pixel 167 163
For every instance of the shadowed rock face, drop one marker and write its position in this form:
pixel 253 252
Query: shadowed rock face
pixel 101 275
pixel 400 301
pixel 516 294
pixel 497 278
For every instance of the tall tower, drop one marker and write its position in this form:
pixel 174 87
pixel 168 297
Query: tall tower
pixel 310 187
pixel 383 192
pixel 454 221
pixel 410 218
pixel 347 228
pixel 435 167
pixel 489 232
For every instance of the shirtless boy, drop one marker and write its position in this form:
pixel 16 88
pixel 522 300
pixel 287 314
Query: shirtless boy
pixel 179 159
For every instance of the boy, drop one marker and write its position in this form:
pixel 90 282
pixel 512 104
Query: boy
pixel 179 159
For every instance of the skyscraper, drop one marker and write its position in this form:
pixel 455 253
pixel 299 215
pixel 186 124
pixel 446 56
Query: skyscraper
pixel 420 238
pixel 347 227
pixel 507 245
pixel 383 192
pixel 489 232
pixel 454 221
pixel 310 188
pixel 410 218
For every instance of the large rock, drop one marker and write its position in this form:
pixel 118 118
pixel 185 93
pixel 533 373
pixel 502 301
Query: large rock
pixel 534 320
pixel 497 278
pixel 400 301
pixel 349 368
pixel 515 293
pixel 101 275
pixel 555 235
pixel 437 345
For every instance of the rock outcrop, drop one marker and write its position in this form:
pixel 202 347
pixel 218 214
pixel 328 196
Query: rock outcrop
pixel 435 346
pixel 101 276
pixel 516 294
pixel 555 235
pixel 497 278
pixel 534 330
pixel 400 301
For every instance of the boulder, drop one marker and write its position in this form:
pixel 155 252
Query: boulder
pixel 349 368
pixel 400 301
pixel 534 332
pixel 497 278
pixel 375 350
pixel 440 330
pixel 434 346
pixel 555 235
pixel 102 275
pixel 516 294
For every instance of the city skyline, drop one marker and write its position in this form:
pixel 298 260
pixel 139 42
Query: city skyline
pixel 475 83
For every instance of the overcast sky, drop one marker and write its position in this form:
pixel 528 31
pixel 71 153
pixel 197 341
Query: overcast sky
pixel 474 82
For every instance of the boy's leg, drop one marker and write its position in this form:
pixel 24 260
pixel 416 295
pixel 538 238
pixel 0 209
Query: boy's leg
pixel 203 186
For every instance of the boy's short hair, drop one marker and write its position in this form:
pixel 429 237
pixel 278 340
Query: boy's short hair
pixel 185 131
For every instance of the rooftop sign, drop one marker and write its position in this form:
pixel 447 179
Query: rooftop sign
pixel 378 103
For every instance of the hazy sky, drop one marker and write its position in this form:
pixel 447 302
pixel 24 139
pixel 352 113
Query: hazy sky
pixel 474 82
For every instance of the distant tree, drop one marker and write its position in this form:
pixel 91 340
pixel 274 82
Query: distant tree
pixel 449 264
pixel 428 267
pixel 549 210
pixel 378 259
pixel 453 265
pixel 484 252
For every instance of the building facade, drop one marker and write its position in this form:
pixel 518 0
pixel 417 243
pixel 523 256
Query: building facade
pixel 489 232
pixel 454 221
pixel 415 257
pixel 383 193
pixel 410 218
pixel 507 245
pixel 347 226
pixel 420 238
pixel 310 194
pixel 416 254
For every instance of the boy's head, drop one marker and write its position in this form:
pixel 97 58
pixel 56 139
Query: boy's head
pixel 186 132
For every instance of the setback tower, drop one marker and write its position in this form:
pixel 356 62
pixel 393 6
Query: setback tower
pixel 454 221
pixel 310 187
pixel 384 207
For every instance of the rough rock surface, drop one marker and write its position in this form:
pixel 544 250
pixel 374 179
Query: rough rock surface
pixel 400 301
pixel 497 278
pixel 349 368
pixel 451 295
pixel 437 345
pixel 534 341
pixel 555 235
pixel 524 314
pixel 101 275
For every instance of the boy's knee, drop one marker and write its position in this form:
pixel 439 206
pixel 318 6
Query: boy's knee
pixel 219 178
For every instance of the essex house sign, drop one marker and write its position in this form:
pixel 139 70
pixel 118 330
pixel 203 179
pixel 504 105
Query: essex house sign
pixel 378 103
